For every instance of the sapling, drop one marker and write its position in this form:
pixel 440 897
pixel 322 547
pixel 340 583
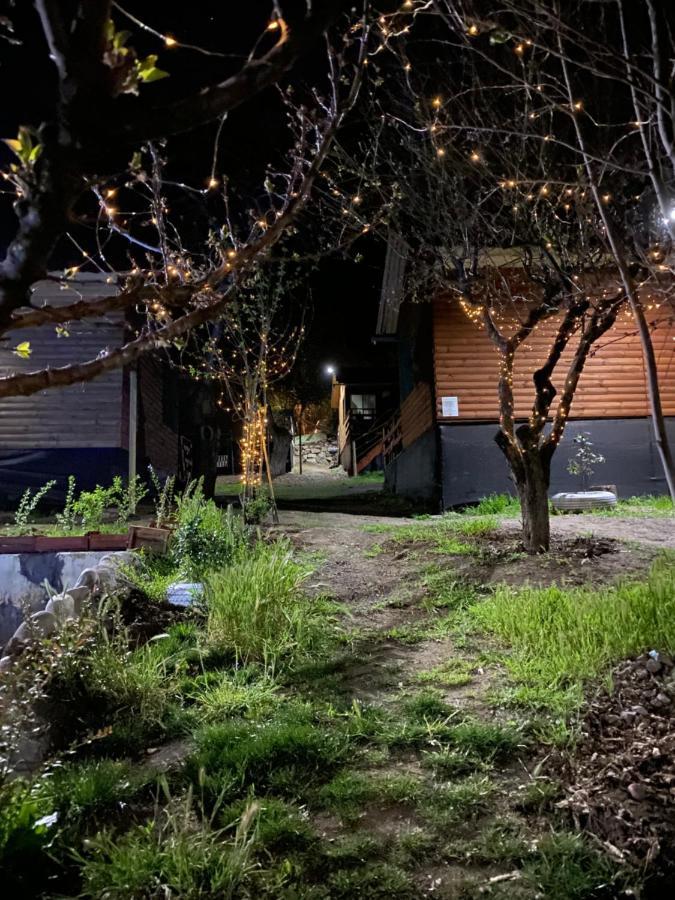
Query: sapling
pixel 67 518
pixel 29 502
pixel 585 459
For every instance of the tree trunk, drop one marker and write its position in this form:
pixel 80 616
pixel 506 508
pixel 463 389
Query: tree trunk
pixel 533 493
pixel 530 467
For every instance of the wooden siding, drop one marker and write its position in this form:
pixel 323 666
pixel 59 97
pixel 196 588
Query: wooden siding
pixel 81 415
pixel 612 384
pixel 416 414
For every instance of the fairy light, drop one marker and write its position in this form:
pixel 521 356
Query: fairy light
pixel 169 41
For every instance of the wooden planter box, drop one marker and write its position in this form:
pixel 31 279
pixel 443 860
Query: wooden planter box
pixel 46 544
pixel 98 541
pixel 154 539
pixel 20 544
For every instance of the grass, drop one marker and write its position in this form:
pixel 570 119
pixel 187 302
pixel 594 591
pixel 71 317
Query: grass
pixel 284 755
pixel 350 793
pixel 636 507
pixel 222 695
pixel 257 611
pixel 442 534
pixel 452 673
pixel 561 638
pixel 80 789
pixel 174 855
pixel 319 489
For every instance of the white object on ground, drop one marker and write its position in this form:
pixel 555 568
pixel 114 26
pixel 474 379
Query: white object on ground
pixel 184 593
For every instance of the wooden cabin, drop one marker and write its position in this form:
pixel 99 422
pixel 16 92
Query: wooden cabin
pixel 115 424
pixel 440 446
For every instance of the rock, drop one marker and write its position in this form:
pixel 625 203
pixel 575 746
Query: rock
pixel 639 710
pixel 40 625
pixel 662 699
pixel 628 716
pixel 81 597
pixel 638 791
pixel 62 606
pixel 653 666
pixel 88 578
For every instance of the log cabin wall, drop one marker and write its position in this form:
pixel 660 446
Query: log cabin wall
pixel 612 385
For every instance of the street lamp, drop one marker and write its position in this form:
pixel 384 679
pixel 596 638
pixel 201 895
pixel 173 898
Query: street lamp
pixel 330 370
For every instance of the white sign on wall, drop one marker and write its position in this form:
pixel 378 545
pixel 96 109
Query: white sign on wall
pixel 449 406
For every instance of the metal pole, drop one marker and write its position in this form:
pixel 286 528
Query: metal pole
pixel 133 427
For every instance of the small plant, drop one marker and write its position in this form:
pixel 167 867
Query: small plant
pixel 29 503
pixel 585 459
pixel 125 499
pixel 66 519
pixel 256 508
pixel 165 497
pixel 90 507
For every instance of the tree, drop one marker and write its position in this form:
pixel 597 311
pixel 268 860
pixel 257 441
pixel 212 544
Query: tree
pixel 484 180
pixel 103 145
pixel 622 133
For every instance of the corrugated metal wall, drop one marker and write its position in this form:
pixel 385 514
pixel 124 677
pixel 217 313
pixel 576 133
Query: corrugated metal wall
pixel 82 415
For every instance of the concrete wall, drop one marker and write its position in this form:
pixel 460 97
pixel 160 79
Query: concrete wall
pixel 22 577
pixel 414 472
pixel 472 465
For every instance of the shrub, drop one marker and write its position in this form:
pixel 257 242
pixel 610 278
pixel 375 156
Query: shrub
pixel 24 837
pixel 256 608
pixel 207 538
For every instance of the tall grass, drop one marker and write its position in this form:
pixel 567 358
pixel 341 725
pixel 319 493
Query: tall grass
pixel 257 610
pixel 561 637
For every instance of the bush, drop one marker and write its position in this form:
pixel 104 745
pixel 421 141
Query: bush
pixel 207 537
pixel 256 609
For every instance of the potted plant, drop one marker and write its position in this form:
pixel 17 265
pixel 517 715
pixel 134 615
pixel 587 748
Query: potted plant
pixel 582 464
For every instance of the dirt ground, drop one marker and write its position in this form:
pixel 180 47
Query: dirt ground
pixel 658 531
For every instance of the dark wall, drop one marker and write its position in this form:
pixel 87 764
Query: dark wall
pixel 20 469
pixel 414 472
pixel 472 465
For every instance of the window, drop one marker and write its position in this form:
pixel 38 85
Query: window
pixel 363 405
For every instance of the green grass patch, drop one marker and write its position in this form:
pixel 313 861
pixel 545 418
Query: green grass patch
pixel 561 638
pixel 80 789
pixel 178 855
pixel 440 533
pixel 460 801
pixel 349 793
pixel 282 756
pixel 451 673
